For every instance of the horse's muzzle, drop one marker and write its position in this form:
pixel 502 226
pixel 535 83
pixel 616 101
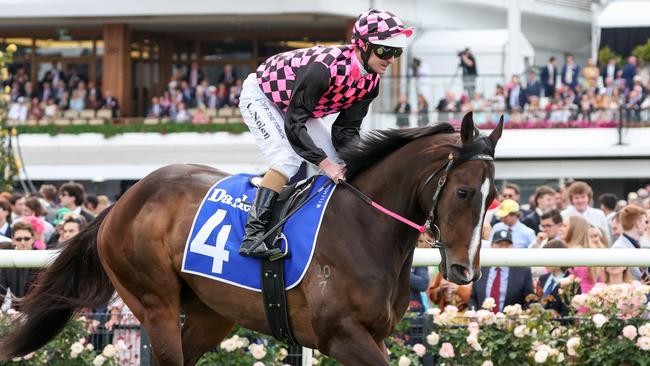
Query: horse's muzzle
pixel 460 274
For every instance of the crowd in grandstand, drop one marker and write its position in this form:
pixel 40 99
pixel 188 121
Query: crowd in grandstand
pixel 553 95
pixel 187 97
pixel 570 95
pixel 550 218
pixel 54 94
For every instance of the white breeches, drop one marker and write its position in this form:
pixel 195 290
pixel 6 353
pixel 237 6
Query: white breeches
pixel 266 123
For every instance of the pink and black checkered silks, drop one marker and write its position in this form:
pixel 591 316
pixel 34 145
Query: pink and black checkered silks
pixel 374 25
pixel 277 75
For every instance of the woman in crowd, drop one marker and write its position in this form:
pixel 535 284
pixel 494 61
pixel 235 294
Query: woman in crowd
pixel 617 275
pixel 577 236
pixel 78 101
pixel 200 116
pixel 51 110
pixel 182 115
pixel 126 332
pixel 35 111
pixel 35 213
pixel 597 237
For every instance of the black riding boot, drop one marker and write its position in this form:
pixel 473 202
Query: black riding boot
pixel 258 219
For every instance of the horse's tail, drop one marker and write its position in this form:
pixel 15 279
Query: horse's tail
pixel 75 279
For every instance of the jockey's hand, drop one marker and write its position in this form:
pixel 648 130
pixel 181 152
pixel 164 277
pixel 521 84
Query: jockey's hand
pixel 335 171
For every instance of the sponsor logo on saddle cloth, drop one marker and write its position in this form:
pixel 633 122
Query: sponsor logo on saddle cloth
pixel 212 248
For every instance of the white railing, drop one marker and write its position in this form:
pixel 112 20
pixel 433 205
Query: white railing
pixel 430 257
pixel 548 257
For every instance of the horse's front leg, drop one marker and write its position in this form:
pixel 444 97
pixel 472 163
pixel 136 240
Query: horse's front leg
pixel 352 345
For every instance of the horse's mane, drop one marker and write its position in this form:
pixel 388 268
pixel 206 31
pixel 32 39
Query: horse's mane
pixel 376 145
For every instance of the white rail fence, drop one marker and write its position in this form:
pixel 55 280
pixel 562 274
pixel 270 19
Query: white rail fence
pixel 430 257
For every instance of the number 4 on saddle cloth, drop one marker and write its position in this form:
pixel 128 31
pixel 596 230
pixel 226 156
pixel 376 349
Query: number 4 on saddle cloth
pixel 213 244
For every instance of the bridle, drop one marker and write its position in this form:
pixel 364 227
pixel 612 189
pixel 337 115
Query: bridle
pixel 430 222
pixel 481 149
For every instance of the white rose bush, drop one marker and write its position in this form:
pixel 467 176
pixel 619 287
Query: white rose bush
pixel 68 348
pixel 610 325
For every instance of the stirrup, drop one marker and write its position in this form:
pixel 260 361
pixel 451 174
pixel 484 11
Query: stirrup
pixel 266 253
pixel 278 241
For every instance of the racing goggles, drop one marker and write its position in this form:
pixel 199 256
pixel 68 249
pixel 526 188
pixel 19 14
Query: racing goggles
pixel 385 52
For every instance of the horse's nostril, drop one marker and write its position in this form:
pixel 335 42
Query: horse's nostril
pixel 460 273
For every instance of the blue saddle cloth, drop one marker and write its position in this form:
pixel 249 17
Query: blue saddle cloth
pixel 212 248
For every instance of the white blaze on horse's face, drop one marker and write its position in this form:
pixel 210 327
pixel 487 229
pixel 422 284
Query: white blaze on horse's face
pixel 476 233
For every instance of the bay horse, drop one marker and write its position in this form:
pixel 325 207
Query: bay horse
pixel 136 247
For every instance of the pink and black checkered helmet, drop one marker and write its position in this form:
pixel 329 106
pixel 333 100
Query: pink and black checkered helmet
pixel 380 27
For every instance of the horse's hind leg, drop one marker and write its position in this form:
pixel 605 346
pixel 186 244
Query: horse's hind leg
pixel 156 305
pixel 203 329
pixel 352 345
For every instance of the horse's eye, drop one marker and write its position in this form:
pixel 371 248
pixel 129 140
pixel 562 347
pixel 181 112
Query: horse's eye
pixel 461 193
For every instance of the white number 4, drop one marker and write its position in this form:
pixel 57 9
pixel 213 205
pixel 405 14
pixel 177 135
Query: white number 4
pixel 218 252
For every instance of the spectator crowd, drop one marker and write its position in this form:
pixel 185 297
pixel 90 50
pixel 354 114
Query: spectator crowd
pixel 568 95
pixel 189 97
pixel 42 220
pixel 53 95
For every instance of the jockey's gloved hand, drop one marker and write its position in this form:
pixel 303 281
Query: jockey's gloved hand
pixel 335 171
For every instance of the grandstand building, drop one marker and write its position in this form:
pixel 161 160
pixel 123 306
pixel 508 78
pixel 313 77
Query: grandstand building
pixel 133 49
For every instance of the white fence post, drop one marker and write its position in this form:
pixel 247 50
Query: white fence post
pixel 307 355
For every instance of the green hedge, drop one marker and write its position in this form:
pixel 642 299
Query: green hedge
pixel 117 129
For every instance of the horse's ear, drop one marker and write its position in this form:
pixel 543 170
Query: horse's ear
pixel 467 129
pixel 495 135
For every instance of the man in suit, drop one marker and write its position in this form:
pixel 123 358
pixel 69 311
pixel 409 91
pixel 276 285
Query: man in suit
pixel 534 86
pixel 609 71
pixel 544 200
pixel 570 73
pixel 507 286
pixel 229 75
pixel 634 223
pixel 516 95
pixel 194 76
pixel 53 75
pixel 548 76
pixel 629 71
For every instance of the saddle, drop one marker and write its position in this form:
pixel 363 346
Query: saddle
pixel 273 291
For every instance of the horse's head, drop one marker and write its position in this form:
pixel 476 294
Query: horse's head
pixel 460 201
